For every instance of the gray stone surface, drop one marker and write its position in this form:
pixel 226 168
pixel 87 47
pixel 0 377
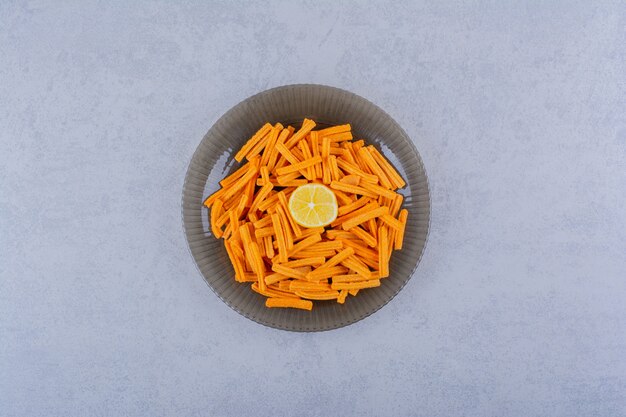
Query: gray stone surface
pixel 517 309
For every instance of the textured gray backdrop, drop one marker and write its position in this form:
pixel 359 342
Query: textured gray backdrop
pixel 517 309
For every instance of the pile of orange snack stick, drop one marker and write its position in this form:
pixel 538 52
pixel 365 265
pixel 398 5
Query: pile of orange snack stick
pixel 292 265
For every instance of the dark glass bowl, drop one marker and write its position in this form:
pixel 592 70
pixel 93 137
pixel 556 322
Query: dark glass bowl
pixel 289 105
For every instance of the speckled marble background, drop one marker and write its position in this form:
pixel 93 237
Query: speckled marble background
pixel 517 309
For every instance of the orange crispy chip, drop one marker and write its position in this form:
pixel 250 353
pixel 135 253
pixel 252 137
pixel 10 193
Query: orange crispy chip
pixel 383 248
pixel 307 126
pixel 289 303
pixel 355 221
pixel 404 214
pixel 355 285
pixel 254 140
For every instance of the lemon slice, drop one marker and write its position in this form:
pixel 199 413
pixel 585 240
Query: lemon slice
pixel 313 205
